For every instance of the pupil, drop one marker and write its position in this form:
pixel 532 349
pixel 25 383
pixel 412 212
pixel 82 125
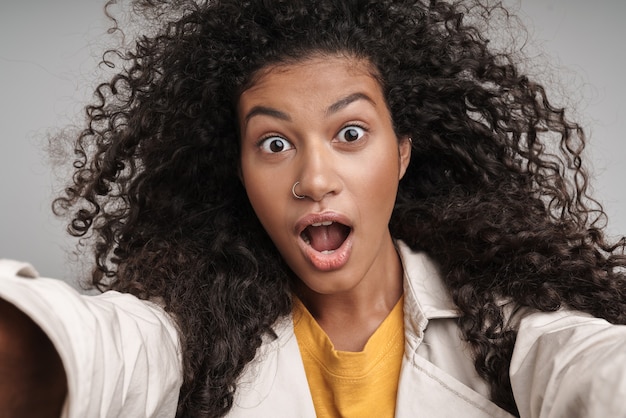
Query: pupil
pixel 351 135
pixel 276 145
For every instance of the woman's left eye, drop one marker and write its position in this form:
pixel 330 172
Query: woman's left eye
pixel 351 133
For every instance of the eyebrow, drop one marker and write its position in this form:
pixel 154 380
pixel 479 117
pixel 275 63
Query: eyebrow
pixel 268 111
pixel 345 101
pixel 333 108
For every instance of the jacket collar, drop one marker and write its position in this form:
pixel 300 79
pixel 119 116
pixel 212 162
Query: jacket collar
pixel 277 369
pixel 425 296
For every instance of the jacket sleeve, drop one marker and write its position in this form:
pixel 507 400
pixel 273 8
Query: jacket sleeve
pixel 121 354
pixel 567 364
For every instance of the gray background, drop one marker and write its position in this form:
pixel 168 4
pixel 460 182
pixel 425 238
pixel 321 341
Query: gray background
pixel 48 56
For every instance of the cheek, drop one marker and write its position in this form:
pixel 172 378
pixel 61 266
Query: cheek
pixel 267 200
pixel 379 182
pixel 253 185
pixel 258 194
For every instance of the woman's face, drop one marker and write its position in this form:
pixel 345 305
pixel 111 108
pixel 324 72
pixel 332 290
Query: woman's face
pixel 323 122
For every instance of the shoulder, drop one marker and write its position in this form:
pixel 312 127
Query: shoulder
pixel 568 363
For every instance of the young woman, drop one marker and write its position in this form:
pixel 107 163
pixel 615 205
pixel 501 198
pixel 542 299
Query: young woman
pixel 331 208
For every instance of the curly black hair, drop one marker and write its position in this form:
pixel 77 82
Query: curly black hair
pixel 496 191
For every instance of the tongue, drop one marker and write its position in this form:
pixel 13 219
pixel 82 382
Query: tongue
pixel 327 238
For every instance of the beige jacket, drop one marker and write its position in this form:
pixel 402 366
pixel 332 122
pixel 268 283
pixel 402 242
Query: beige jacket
pixel 122 357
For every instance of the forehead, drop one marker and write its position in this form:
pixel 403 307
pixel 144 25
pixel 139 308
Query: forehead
pixel 316 79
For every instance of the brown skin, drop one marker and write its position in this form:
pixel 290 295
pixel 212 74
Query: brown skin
pixel 32 378
pixel 324 122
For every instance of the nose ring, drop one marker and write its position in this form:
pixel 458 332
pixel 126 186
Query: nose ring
pixel 293 191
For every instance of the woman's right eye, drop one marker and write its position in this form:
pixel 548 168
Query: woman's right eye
pixel 275 144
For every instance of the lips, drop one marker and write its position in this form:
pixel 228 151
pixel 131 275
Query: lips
pixel 325 240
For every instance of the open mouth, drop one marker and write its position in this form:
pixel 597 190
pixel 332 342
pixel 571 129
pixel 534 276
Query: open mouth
pixel 325 237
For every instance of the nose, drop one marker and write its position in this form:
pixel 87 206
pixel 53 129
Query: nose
pixel 318 171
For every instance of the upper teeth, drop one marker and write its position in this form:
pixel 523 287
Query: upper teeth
pixel 325 223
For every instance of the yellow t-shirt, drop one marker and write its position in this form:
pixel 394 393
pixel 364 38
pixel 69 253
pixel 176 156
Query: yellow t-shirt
pixel 352 384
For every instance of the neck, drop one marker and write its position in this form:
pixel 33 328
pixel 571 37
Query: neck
pixel 350 318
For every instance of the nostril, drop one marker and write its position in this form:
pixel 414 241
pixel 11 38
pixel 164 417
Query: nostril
pixel 317 187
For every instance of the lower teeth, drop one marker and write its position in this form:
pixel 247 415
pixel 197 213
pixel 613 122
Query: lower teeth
pixel 328 251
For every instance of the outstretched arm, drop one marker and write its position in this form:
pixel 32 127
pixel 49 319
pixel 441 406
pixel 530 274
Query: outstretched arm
pixel 32 378
pixel 115 355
